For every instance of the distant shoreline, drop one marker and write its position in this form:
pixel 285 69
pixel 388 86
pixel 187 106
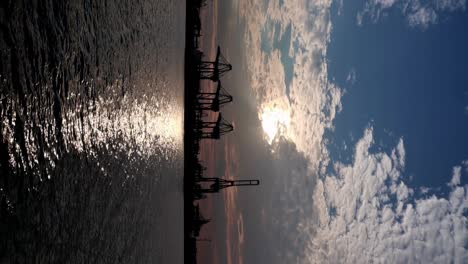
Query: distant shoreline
pixel 191 84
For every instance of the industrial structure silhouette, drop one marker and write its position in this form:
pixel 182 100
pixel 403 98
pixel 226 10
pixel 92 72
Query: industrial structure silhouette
pixel 198 103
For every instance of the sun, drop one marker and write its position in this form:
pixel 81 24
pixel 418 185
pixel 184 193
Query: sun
pixel 275 121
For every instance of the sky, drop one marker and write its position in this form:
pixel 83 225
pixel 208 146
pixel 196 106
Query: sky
pixel 354 116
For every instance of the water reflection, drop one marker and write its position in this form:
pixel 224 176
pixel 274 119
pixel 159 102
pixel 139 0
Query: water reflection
pixel 148 123
pixel 91 107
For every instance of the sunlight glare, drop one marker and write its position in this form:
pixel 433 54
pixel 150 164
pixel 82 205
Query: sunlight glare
pixel 274 122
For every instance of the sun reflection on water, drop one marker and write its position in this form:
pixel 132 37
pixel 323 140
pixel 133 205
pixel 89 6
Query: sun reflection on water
pixel 146 126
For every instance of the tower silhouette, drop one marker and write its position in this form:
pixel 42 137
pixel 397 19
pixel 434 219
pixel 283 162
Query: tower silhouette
pixel 213 70
pixel 213 100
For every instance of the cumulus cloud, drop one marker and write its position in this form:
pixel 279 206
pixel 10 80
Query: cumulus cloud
pixel 418 13
pixel 311 100
pixel 423 17
pixel 377 219
pixel 456 176
pixel 364 212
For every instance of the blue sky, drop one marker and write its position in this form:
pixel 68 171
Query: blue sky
pixel 410 82
pixel 361 106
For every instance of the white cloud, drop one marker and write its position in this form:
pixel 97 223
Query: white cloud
pixel 312 100
pixel 359 18
pixel 419 13
pixel 364 213
pixel 451 5
pixel 456 176
pixel 423 17
pixel 340 4
pixel 424 190
pixel 351 78
pixel 378 220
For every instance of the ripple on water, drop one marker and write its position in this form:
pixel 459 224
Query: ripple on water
pixel 91 106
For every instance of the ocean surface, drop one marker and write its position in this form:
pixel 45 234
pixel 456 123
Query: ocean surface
pixel 91 131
